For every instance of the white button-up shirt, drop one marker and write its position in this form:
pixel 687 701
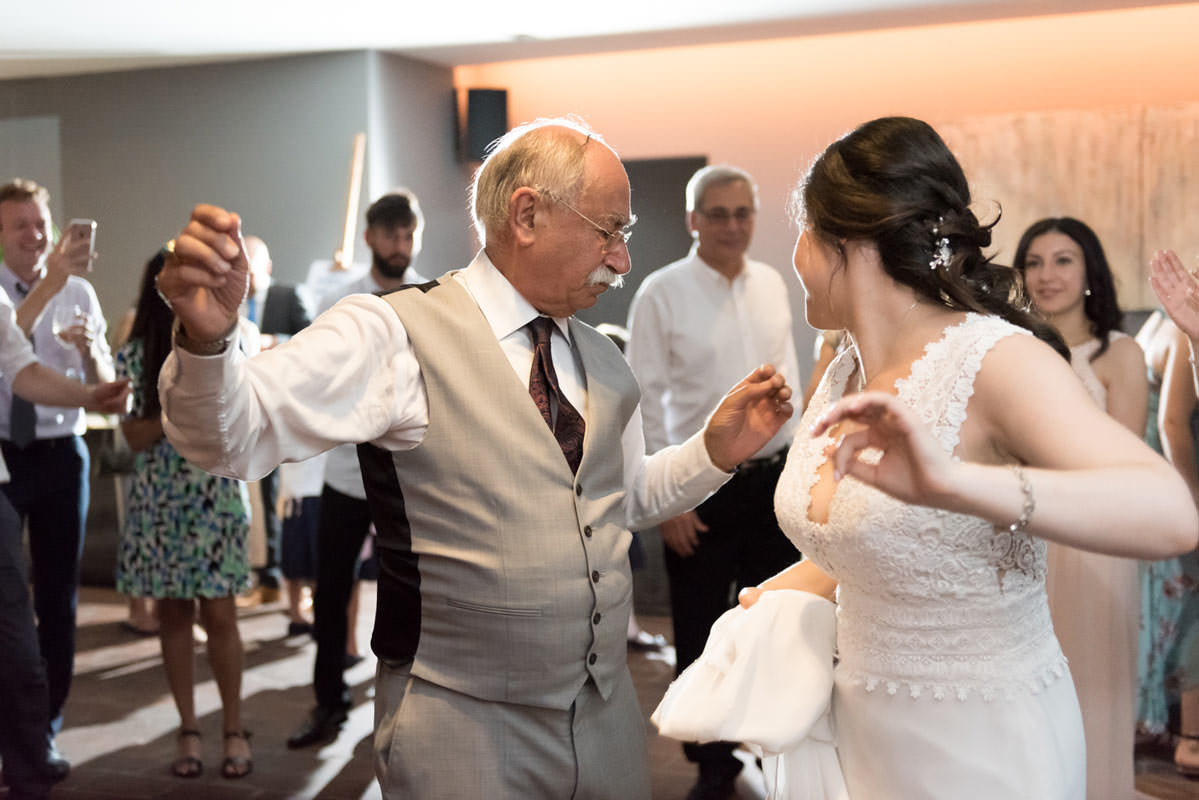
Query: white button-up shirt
pixel 15 354
pixel 342 471
pixel 693 333
pixel 352 376
pixel 53 421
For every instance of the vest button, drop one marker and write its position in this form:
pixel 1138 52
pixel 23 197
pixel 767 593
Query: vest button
pixel 595 576
pixel 587 531
pixel 591 659
pixel 595 620
pixel 578 490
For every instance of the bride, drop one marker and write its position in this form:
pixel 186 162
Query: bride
pixel 944 448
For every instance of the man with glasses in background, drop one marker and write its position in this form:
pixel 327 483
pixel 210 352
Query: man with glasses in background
pixel 692 325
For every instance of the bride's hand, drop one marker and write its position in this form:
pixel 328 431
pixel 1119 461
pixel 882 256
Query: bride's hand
pixel 913 468
pixel 749 595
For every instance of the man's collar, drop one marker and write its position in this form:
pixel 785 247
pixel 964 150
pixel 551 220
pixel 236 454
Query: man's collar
pixel 11 277
pixel 712 271
pixel 505 309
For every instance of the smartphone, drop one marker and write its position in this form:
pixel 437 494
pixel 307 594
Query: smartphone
pixel 84 229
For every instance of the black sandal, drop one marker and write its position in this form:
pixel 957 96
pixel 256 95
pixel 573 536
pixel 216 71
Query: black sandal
pixel 234 767
pixel 1187 770
pixel 187 766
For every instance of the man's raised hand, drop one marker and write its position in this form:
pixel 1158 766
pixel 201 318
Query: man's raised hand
pixel 748 417
pixel 206 273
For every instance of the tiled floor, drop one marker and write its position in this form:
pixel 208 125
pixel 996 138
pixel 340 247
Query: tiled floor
pixel 121 721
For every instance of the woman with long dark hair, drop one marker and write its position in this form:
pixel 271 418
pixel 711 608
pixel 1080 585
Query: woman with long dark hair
pixel 1094 598
pixel 1068 279
pixel 941 451
pixel 184 542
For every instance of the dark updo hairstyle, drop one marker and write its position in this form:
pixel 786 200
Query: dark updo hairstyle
pixel 1100 306
pixel 894 182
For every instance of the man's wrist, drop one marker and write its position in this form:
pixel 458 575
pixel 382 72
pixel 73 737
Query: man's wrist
pixel 54 278
pixel 728 469
pixel 198 347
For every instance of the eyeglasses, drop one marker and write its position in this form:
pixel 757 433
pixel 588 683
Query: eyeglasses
pixel 721 215
pixel 623 232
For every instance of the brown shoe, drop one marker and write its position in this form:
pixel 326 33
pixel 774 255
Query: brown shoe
pixel 251 599
pixel 259 595
pixel 1186 757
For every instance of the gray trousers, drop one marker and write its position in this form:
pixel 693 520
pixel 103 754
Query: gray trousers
pixel 432 743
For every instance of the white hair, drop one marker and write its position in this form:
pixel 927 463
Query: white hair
pixel 717 175
pixel 546 154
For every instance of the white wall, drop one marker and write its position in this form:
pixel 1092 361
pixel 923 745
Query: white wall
pixel 413 139
pixel 29 145
pixel 270 139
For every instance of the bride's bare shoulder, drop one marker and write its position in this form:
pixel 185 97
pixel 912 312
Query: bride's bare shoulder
pixel 1033 406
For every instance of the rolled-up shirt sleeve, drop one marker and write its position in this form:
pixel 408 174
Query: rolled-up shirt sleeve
pixel 351 376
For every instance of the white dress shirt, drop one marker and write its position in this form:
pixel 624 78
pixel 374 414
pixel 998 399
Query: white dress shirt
pixel 352 376
pixel 15 354
pixel 342 471
pixel 693 334
pixel 53 421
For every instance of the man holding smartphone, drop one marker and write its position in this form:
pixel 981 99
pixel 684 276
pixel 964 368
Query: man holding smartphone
pixel 43 445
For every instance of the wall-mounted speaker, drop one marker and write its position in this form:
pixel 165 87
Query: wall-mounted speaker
pixel 486 120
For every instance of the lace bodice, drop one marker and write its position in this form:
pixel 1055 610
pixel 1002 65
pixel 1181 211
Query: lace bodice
pixel 928 600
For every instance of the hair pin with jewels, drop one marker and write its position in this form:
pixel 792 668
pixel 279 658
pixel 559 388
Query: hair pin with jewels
pixel 942 254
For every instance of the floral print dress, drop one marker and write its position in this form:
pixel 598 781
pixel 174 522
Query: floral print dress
pixel 185 529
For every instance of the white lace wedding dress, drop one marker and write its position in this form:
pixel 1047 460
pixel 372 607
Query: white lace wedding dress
pixel 950 683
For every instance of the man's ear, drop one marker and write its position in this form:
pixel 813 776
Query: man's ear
pixel 522 207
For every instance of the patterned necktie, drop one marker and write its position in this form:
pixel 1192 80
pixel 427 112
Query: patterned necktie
pixel 22 422
pixel 569 427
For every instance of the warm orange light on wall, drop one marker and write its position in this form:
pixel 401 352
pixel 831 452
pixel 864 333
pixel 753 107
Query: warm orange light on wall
pixel 814 87
pixel 770 106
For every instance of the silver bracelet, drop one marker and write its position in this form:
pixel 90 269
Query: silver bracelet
pixel 1030 503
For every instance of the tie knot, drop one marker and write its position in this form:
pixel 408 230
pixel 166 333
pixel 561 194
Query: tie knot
pixel 542 327
pixel 22 289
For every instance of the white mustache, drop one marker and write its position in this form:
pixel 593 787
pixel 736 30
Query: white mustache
pixel 605 276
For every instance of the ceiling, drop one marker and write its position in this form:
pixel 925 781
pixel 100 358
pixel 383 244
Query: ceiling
pixel 79 36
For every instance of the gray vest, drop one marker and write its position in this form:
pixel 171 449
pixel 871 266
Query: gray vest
pixel 502 576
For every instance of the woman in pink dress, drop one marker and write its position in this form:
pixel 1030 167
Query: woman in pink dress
pixel 1094 598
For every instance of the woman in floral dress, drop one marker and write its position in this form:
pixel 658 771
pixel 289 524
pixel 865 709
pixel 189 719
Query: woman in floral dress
pixel 184 540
